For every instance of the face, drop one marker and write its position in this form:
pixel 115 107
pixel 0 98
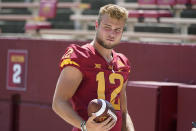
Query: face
pixel 109 32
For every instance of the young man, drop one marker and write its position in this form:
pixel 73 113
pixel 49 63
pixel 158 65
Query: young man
pixel 92 71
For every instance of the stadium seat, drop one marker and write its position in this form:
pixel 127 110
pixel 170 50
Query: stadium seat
pixel 157 13
pixel 166 2
pixel 90 12
pixel 135 13
pixel 65 0
pixel 15 11
pixel 62 20
pixel 62 15
pixel 153 29
pixel 96 4
pixel 131 1
pixel 149 13
pixel 37 25
pixel 16 0
pixel 12 26
pixel 193 2
pixel 62 25
pixel 182 2
pixel 188 13
pixel 152 2
pixel 192 29
pixel 85 1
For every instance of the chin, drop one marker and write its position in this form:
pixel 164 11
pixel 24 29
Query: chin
pixel 110 46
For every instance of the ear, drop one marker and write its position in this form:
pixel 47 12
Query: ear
pixel 96 24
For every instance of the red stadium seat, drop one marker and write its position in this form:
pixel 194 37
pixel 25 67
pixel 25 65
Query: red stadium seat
pixel 182 2
pixel 135 13
pixel 165 13
pixel 37 25
pixel 147 2
pixel 166 2
pixel 157 13
pixel 149 13
pixel 193 2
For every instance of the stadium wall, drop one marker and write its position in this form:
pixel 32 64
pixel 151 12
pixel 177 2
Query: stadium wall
pixel 30 109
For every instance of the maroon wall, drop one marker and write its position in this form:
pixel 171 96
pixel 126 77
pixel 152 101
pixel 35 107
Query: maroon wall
pixel 39 117
pixel 5 115
pixel 161 62
pixel 152 105
pixel 186 107
pixel 43 71
pixel 32 108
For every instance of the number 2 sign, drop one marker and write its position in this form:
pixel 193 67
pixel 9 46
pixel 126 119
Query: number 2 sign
pixel 16 70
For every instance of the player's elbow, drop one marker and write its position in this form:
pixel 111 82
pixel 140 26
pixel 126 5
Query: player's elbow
pixel 54 104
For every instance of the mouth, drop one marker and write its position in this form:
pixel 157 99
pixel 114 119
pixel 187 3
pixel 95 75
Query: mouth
pixel 110 40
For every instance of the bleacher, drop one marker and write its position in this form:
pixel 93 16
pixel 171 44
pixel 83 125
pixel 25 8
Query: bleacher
pixel 29 11
pixel 158 106
pixel 173 18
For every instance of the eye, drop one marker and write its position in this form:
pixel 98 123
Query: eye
pixel 107 28
pixel 118 30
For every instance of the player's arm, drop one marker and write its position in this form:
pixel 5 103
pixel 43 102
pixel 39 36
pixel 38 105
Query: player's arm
pixel 67 84
pixel 127 124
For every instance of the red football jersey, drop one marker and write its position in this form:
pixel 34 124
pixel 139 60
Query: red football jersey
pixel 101 80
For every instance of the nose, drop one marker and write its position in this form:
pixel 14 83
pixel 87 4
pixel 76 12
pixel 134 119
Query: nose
pixel 112 34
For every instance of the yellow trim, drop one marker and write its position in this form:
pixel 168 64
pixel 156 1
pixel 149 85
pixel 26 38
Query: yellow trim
pixel 120 64
pixel 98 66
pixel 68 61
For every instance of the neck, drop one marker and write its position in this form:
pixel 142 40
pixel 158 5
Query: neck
pixel 106 53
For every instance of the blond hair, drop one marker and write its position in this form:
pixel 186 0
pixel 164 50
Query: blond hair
pixel 114 11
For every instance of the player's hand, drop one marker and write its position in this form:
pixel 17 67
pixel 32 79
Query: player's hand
pixel 106 125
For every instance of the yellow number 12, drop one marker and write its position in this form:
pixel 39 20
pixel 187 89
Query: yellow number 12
pixel 100 78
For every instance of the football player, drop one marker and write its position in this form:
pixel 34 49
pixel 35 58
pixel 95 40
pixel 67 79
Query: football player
pixel 95 71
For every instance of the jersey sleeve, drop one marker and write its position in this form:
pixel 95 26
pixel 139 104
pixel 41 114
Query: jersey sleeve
pixel 126 68
pixel 73 56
